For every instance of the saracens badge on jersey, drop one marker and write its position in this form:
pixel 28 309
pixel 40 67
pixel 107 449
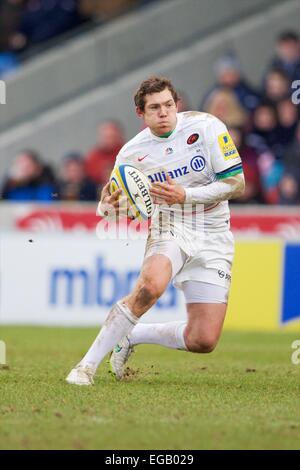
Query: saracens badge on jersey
pixel 192 139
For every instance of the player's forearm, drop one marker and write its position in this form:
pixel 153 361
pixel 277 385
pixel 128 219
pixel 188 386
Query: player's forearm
pixel 217 191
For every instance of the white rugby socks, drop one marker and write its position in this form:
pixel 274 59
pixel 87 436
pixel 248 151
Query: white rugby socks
pixel 119 323
pixel 166 334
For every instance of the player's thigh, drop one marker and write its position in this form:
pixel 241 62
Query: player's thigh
pixel 156 272
pixel 154 278
pixel 163 260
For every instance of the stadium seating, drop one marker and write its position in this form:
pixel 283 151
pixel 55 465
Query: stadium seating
pixel 114 50
pixel 72 124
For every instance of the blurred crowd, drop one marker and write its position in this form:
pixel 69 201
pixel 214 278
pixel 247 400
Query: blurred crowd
pixel 27 24
pixel 80 177
pixel 264 124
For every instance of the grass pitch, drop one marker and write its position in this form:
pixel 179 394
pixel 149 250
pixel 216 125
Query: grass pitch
pixel 245 395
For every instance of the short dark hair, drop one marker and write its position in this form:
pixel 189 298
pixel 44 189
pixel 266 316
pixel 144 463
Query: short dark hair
pixel 288 36
pixel 153 84
pixel 279 72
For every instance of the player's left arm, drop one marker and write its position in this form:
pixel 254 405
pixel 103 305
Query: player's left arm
pixel 171 193
pixel 227 165
pixel 229 188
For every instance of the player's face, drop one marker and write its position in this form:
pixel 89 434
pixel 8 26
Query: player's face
pixel 160 112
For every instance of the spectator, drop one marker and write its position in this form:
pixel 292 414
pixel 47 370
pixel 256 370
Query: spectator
pixel 266 139
pixel 29 179
pixel 183 102
pixel 249 156
pixel 271 173
pixel 228 73
pixel 224 104
pixel 290 183
pixel 265 125
pixel 45 19
pixel 100 160
pixel 10 12
pixel 277 86
pixel 74 184
pixel 288 117
pixel 287 56
pixel 9 63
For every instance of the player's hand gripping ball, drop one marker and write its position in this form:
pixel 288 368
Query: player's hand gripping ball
pixel 136 187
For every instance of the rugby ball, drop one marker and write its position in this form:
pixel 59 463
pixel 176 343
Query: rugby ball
pixel 136 187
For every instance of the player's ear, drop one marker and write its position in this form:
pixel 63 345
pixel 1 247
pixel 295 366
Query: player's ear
pixel 139 112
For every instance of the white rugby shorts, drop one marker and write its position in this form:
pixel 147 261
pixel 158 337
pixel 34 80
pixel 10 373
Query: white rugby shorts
pixel 210 266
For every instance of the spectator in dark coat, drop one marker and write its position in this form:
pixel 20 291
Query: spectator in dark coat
pixel 277 86
pixel 290 182
pixel 288 117
pixel 250 157
pixel 229 75
pixel 287 56
pixel 10 13
pixel 45 19
pixel 29 179
pixel 74 185
pixel 266 125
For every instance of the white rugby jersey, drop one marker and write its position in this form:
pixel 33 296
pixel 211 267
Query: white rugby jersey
pixel 198 152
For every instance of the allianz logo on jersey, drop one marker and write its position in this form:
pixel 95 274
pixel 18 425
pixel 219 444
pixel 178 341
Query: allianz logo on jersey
pixel 197 164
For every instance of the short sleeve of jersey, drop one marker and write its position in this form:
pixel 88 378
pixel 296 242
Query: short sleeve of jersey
pixel 225 159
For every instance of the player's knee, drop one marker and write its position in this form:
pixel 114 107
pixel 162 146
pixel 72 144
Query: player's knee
pixel 207 345
pixel 201 344
pixel 149 293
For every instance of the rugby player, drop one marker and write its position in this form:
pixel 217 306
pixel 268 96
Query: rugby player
pixel 191 160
